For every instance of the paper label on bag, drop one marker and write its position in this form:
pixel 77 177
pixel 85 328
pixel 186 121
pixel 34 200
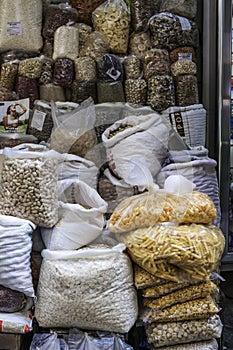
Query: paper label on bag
pixel 14 28
pixel 38 119
pixel 185 24
pixel 185 56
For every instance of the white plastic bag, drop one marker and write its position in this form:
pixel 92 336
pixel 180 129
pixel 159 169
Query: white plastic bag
pixel 45 341
pixel 81 217
pixel 18 322
pixel 15 251
pixel 88 288
pixel 136 141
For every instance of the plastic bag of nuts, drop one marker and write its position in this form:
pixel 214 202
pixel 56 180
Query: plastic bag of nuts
pixel 136 91
pixel 113 20
pixel 8 73
pixel 85 9
pixel 96 45
pixel 47 71
pixel 40 121
pixel 14 139
pixel 133 67
pixel 186 90
pixel 109 68
pixel 27 88
pixel 182 53
pixel 57 16
pixel 190 310
pixel 31 67
pixel 163 334
pixel 156 62
pixel 161 92
pixel 185 8
pixel 63 72
pixel 139 43
pixel 169 31
pixel 183 67
pixel 85 69
pixel 83 31
pixel 141 12
pixel 7 95
pixel 29 186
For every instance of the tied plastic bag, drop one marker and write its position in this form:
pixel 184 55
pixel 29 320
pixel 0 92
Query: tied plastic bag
pixel 18 322
pixel 112 19
pixel 73 132
pixel 89 288
pixel 47 342
pixel 136 143
pixel 81 217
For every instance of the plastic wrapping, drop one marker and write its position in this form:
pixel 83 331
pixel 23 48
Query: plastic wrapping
pixel 109 68
pixel 156 62
pixel 136 91
pixel 45 341
pixel 113 20
pixel 30 67
pixel 139 43
pixel 141 12
pixel 85 9
pixel 151 208
pixel 186 90
pixel 202 345
pixel 21 23
pixel 14 139
pixel 96 45
pixel 46 71
pixel 47 48
pixel 161 92
pixel 82 90
pixel 27 88
pixel 83 31
pixel 183 67
pixel 81 217
pixel 169 31
pixel 181 53
pixel 190 292
pixel 66 42
pixel 10 300
pixel 7 95
pixel 63 72
pixel 204 244
pixel 36 198
pixel 52 92
pixel 85 69
pixel 90 288
pixel 133 67
pixel 159 334
pixel 136 147
pixel 185 8
pixel 57 16
pixel 143 279
pixel 40 121
pixel 110 92
pixel 8 73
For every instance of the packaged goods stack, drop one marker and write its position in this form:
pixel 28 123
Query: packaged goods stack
pixel 177 249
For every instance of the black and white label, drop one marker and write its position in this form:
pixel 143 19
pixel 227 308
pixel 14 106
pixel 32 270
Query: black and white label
pixel 38 119
pixel 14 28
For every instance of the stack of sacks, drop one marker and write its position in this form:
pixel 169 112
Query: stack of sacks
pixel 171 237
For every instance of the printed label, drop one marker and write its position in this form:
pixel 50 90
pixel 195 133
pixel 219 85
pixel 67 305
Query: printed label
pixel 113 73
pixel 38 119
pixel 177 116
pixel 185 56
pixel 14 28
pixel 14 116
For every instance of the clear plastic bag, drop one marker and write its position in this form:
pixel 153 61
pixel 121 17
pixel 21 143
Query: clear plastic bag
pixel 185 8
pixel 186 90
pixel 136 91
pixel 82 90
pixel 181 53
pixel 85 9
pixel 144 280
pixel 27 88
pixel 161 92
pixel 141 12
pixel 133 67
pixel 139 43
pixel 183 67
pixel 202 345
pixel 85 69
pixel 160 334
pixel 156 62
pixel 109 68
pixel 8 73
pixel 66 42
pixel 31 67
pixel 96 45
pixel 110 92
pixel 63 72
pixel 43 341
pixel 113 20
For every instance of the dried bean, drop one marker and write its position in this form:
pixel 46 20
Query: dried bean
pixel 182 53
pixel 136 91
pixel 133 67
pixel 160 94
pixel 27 88
pixel 63 72
pixel 156 62
pixel 186 90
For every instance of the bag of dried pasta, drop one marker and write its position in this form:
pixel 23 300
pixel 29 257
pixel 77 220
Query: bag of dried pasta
pixel 112 19
pixel 154 207
pixel 195 249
